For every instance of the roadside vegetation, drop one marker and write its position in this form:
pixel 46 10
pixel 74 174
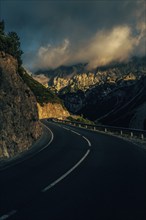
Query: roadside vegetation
pixel 80 119
pixel 43 95
pixel 10 43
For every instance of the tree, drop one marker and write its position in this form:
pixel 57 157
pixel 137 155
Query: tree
pixel 2 27
pixel 2 36
pixel 10 43
pixel 14 46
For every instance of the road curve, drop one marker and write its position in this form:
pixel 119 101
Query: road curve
pixel 81 174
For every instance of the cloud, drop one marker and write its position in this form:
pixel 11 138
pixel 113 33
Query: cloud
pixel 105 47
pixel 52 57
pixel 79 26
pixel 140 50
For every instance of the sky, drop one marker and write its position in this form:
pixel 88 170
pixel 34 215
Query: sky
pixel 55 33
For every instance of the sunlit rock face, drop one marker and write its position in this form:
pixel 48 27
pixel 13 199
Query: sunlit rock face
pixel 78 77
pixel 82 82
pixel 52 110
pixel 19 125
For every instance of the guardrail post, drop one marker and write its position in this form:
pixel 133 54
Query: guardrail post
pixel 131 134
pixel 142 136
pixel 105 129
pixel 121 132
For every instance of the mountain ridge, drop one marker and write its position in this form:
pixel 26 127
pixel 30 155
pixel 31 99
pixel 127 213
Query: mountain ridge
pixel 88 93
pixel 77 77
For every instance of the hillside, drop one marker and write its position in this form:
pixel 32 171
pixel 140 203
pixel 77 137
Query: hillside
pixel 42 94
pixel 112 94
pixel 119 107
pixel 19 125
pixel 49 105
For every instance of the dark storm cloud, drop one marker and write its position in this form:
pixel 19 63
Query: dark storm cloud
pixel 58 30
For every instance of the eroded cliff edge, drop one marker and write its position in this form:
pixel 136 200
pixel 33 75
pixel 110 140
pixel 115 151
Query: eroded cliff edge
pixel 19 125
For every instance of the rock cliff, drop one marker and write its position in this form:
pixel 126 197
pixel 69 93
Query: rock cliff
pixel 19 125
pixel 52 110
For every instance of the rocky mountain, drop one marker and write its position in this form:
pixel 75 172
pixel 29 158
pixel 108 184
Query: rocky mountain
pixel 66 79
pixel 122 106
pixel 110 95
pixel 19 125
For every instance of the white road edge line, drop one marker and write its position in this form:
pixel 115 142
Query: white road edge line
pixel 52 137
pixel 9 214
pixel 67 173
pixel 18 162
pixel 89 143
pixel 75 132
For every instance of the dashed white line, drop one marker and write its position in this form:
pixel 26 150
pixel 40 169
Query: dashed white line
pixel 67 173
pixel 75 132
pixel 66 128
pixel 89 143
pixel 9 214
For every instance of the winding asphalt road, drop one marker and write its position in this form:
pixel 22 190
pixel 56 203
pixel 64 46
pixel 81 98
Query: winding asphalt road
pixel 81 174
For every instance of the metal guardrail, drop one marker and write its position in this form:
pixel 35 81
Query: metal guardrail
pixel 128 132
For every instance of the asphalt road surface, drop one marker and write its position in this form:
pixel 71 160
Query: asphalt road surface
pixel 80 175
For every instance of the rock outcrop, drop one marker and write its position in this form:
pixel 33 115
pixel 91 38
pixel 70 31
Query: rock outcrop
pixel 52 110
pixel 19 125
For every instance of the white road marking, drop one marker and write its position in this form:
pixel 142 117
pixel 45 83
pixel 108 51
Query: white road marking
pixel 9 214
pixel 66 128
pixel 52 137
pixel 67 173
pixel 89 143
pixel 22 160
pixel 75 132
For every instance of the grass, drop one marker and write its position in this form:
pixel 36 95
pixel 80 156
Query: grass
pixel 80 119
pixel 43 95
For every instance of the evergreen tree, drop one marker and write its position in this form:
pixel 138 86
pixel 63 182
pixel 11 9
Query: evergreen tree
pixel 2 27
pixel 2 36
pixel 10 43
pixel 14 49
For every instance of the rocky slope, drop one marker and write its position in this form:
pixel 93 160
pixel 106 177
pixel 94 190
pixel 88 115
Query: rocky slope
pixel 49 105
pixel 112 105
pixel 19 126
pixel 52 110
pixel 113 94
pixel 139 117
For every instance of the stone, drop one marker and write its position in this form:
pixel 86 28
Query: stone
pixel 20 126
